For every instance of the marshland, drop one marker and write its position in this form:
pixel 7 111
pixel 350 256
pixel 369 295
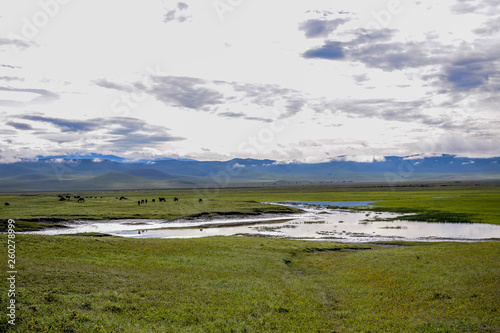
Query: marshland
pixel 94 282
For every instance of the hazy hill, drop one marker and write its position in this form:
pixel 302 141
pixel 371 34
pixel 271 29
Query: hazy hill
pixel 93 172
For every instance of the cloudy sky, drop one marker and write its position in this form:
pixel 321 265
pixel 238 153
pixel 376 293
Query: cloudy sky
pixel 219 79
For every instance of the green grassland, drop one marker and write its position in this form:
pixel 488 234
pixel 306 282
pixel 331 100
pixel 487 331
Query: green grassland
pixel 245 284
pixel 459 202
pixel 42 211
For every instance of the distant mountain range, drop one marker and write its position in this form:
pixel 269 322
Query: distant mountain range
pixel 109 172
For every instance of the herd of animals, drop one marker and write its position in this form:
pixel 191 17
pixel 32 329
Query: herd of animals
pixel 139 202
pixel 160 199
pixel 82 200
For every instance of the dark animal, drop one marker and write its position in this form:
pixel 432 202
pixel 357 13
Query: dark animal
pixel 68 197
pixel 176 199
pixel 62 199
pixel 76 196
pixel 142 201
pixel 200 200
pixel 154 200
pixel 146 201
pixel 123 198
pixel 81 200
pixel 162 199
pixel 7 204
pixel 138 203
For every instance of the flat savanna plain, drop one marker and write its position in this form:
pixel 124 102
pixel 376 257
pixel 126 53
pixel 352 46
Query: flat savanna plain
pixel 458 202
pixel 245 284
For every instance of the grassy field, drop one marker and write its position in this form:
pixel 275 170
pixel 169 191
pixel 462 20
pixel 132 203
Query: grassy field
pixel 243 284
pixel 434 202
pixel 437 202
pixel 42 211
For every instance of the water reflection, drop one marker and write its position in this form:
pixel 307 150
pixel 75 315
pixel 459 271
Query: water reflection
pixel 317 222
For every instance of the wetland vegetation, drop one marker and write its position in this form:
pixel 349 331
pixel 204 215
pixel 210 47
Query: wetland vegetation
pixel 245 284
pixel 250 284
pixel 434 202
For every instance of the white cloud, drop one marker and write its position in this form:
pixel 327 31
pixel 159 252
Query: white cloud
pixel 357 79
pixel 359 158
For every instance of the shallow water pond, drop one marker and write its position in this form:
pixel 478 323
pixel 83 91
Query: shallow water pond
pixel 302 204
pixel 316 222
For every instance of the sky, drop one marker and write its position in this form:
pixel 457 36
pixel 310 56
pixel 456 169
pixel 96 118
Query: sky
pixel 307 81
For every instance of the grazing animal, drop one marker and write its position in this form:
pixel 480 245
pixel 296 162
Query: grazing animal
pixel 176 199
pixel 7 204
pixel 154 200
pixel 123 198
pixel 138 203
pixel 68 197
pixel 162 199
pixel 146 201
pixel 142 201
pixel 81 200
pixel 200 200
pixel 62 199
pixel 76 196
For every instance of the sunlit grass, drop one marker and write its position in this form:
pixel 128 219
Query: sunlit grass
pixel 452 202
pixel 28 210
pixel 223 284
pixel 460 202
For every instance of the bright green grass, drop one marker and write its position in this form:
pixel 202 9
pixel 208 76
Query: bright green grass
pixel 240 284
pixel 464 202
pixel 27 210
